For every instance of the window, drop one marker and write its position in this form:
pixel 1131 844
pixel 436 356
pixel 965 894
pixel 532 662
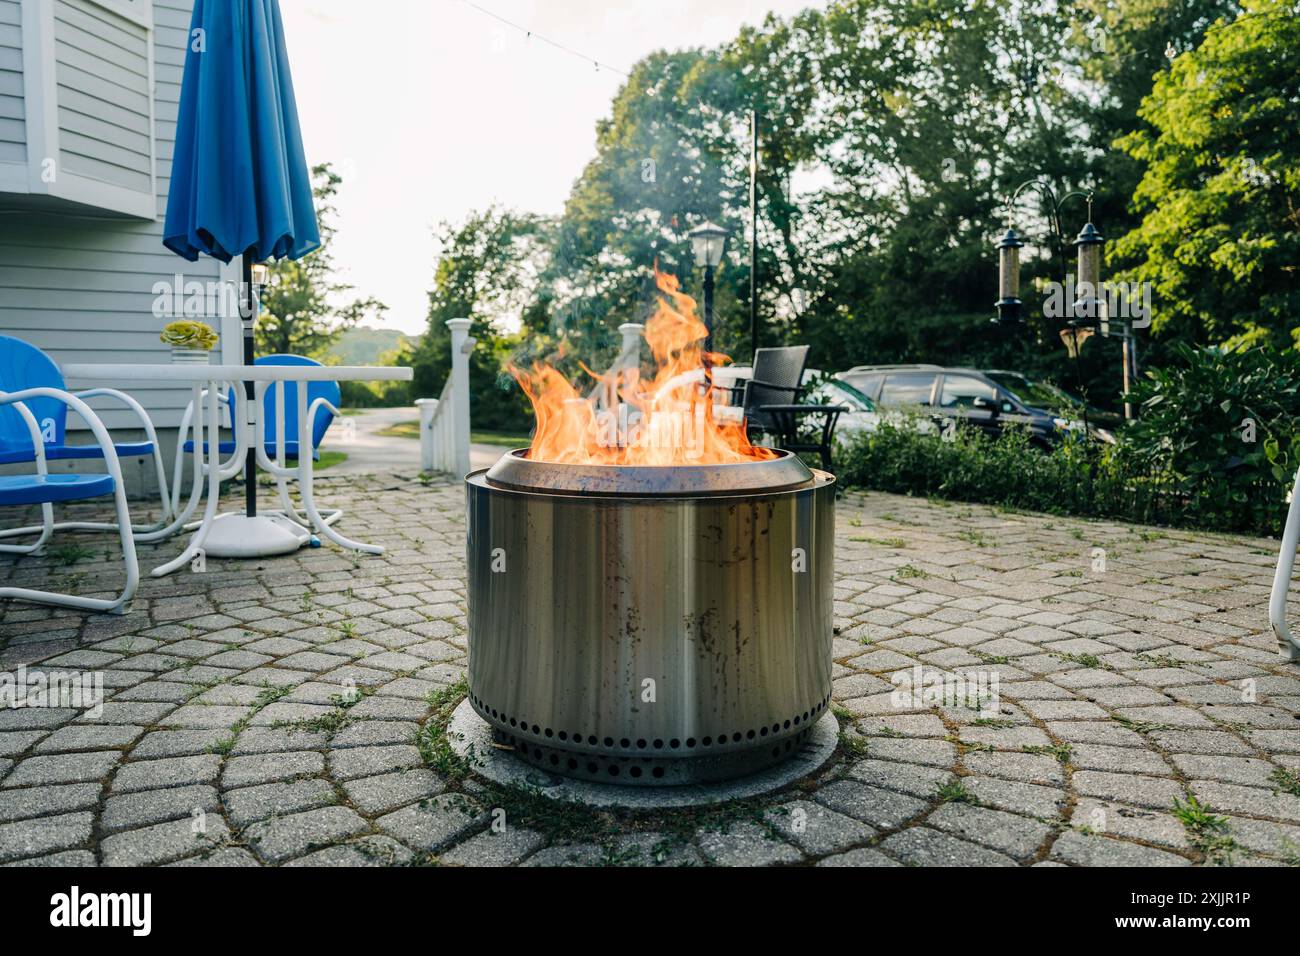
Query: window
pixel 960 391
pixel 867 384
pixel 907 388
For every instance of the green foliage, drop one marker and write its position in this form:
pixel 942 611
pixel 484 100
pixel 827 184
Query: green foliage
pixel 1220 237
pixel 300 314
pixel 486 272
pixel 1010 471
pixel 364 345
pixel 1221 426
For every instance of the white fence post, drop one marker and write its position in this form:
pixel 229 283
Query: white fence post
pixel 461 345
pixel 427 407
pixel 444 421
pixel 631 351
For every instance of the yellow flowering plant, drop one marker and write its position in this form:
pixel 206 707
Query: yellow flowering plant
pixel 188 334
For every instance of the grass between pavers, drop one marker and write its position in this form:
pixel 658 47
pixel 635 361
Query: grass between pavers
pixel 1207 831
pixel 567 821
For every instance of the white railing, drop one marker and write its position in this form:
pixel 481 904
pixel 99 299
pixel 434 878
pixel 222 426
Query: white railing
pixel 605 394
pixel 444 421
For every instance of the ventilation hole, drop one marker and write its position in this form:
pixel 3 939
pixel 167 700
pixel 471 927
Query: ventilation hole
pixel 512 722
pixel 613 770
pixel 536 729
pixel 591 739
pixel 796 721
pixel 564 735
pixel 658 771
pixel 658 744
pixel 625 743
pixel 674 743
pixel 609 741
pixel 537 752
pixel 550 732
pixel 750 735
pixel 763 732
pixel 641 744
pixel 735 738
pixel 635 771
pixel 592 768
pixel 555 760
pixel 706 741
pixel 776 728
pixel 787 725
pixel 690 743
pixel 573 764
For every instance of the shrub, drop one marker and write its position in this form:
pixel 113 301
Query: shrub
pixel 1221 427
pixel 1010 471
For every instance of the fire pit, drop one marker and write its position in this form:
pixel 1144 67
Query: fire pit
pixel 651 624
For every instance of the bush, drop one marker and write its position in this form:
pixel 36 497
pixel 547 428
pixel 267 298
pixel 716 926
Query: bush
pixel 1221 427
pixel 1010 471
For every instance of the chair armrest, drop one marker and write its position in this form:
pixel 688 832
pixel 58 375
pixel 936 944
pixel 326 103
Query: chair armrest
pixel 38 443
pixel 130 403
pixel 75 404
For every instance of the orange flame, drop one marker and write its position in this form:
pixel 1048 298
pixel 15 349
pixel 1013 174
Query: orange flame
pixel 668 420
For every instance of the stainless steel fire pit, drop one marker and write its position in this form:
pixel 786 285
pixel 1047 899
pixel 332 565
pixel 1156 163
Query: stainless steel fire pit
pixel 650 625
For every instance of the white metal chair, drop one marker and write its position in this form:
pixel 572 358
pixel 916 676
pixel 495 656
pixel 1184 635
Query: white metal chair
pixel 1287 642
pixel 45 490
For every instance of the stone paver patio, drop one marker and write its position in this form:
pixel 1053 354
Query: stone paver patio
pixel 268 712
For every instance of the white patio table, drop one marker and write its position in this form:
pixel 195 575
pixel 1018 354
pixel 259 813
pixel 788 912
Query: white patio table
pixel 212 379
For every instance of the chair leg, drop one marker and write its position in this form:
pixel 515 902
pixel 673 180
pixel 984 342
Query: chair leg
pixel 45 528
pixel 1287 642
pixel 112 606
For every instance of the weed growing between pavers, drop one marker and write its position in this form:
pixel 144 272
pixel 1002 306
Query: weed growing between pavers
pixel 1207 831
pixel 572 822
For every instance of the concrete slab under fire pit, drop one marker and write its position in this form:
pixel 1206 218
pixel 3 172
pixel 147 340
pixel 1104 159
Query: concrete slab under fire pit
pixel 470 736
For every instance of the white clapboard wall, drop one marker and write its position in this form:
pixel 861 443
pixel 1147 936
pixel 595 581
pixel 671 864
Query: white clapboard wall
pixel 77 280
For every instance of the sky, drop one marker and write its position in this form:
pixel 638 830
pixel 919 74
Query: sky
pixel 430 109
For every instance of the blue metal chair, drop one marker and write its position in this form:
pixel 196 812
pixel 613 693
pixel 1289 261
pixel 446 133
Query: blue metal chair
pixel 23 366
pixel 323 399
pixel 45 490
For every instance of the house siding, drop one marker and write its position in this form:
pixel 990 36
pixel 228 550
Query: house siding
pixel 13 128
pixel 80 285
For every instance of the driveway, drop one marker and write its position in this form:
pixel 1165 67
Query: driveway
pixel 370 453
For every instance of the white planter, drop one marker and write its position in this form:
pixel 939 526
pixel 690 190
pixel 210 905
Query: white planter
pixel 182 356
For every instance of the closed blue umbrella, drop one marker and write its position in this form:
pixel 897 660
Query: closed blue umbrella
pixel 240 183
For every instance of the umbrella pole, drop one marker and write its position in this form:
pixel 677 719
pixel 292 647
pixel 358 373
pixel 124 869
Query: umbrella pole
pixel 249 317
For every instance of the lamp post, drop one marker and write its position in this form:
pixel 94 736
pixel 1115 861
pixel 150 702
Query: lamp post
pixel 707 241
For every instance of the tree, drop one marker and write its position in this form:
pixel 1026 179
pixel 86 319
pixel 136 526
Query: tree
pixel 488 270
pixel 300 310
pixel 1220 191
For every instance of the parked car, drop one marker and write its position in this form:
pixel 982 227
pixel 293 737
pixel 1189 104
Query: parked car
pixel 988 400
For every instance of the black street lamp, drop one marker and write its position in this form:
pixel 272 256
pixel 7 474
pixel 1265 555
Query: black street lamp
pixel 707 241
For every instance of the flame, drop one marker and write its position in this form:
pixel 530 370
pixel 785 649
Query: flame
pixel 667 420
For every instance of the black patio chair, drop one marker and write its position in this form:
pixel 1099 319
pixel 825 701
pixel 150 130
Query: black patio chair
pixel 770 399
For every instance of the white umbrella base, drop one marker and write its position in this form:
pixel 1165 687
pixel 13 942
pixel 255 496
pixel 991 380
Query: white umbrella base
pixel 239 536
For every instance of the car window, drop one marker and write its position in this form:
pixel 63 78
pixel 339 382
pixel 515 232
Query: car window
pixel 907 388
pixel 835 392
pixel 960 391
pixel 868 384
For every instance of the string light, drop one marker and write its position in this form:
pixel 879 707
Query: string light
pixel 529 34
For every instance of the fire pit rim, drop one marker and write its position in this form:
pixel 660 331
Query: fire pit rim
pixel 783 472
